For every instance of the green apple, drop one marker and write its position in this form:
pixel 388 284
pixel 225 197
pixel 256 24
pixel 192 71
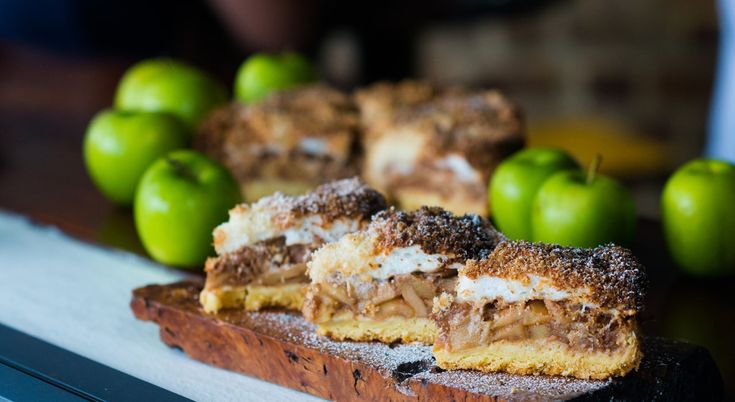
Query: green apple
pixel 119 147
pixel 165 85
pixel 698 216
pixel 514 185
pixel 180 200
pixel 262 73
pixel 583 210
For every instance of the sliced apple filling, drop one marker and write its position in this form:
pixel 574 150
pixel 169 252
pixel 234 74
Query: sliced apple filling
pixel 380 283
pixel 269 274
pixel 543 309
pixel 469 325
pixel 406 299
pixel 407 296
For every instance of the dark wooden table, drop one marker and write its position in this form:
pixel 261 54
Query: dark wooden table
pixel 46 102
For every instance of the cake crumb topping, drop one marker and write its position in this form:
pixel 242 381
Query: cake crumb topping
pixel 437 231
pixel 350 198
pixel 613 275
pixel 480 125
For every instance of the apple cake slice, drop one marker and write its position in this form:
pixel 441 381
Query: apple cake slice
pixel 379 283
pixel 379 102
pixel 291 141
pixel 544 309
pixel 263 249
pixel 441 151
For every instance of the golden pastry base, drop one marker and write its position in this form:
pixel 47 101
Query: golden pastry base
pixel 253 297
pixel 543 356
pixel 282 348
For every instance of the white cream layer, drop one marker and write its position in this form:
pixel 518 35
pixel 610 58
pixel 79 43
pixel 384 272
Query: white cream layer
pixel 405 260
pixel 256 224
pixel 358 258
pixel 312 228
pixel 493 288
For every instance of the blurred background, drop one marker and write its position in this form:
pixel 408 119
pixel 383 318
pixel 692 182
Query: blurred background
pixel 635 75
pixel 631 79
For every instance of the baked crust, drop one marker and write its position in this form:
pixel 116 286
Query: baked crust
pixel 390 330
pixel 215 128
pixel 253 297
pixel 544 357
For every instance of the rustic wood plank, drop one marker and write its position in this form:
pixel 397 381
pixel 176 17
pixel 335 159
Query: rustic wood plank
pixel 282 348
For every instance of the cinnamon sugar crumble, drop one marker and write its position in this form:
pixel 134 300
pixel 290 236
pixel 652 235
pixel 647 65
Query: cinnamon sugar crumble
pixel 350 198
pixel 480 125
pixel 437 232
pixel 614 275
pixel 307 134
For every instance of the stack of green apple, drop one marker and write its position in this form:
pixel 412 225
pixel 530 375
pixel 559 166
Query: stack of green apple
pixel 135 153
pixel 541 194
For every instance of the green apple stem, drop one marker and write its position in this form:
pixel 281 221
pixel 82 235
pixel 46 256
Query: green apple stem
pixel 594 167
pixel 181 169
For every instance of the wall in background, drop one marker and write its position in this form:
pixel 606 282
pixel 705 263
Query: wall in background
pixel 647 65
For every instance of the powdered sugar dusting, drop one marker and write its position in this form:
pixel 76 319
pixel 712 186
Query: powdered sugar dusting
pixel 390 359
pixel 325 214
pixel 437 231
pixel 512 387
pixel 411 366
pixel 293 328
pixel 348 197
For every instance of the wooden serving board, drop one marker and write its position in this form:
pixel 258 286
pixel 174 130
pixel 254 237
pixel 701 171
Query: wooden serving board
pixel 282 348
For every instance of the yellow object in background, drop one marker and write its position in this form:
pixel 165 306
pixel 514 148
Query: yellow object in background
pixel 625 152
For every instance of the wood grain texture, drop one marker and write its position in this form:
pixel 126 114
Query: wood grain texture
pixel 282 348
